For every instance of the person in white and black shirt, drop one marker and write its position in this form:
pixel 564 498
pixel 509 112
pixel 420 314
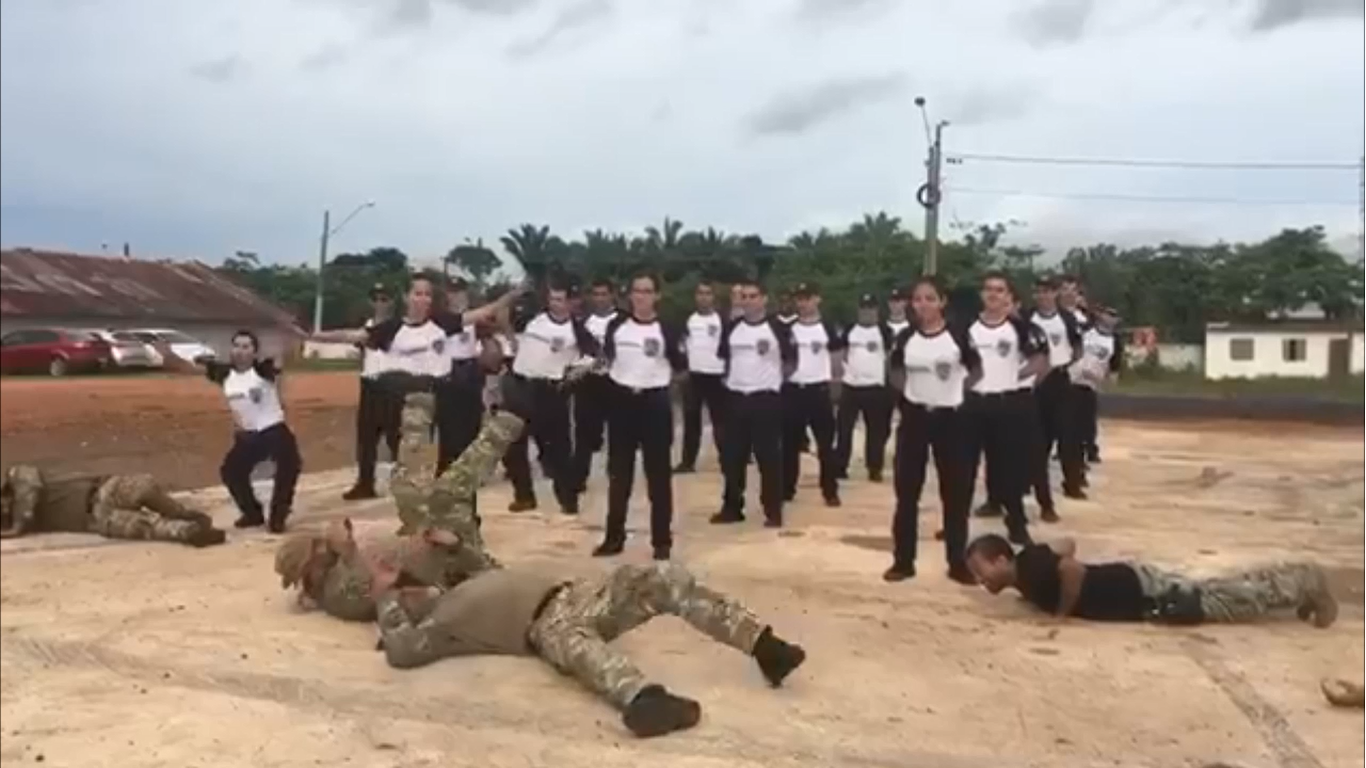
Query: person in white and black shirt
pixel 460 394
pixel 1072 300
pixel 547 345
pixel 897 319
pixel 806 395
pixel 863 390
pixel 701 338
pixel 737 301
pixel 1053 398
pixel 379 410
pixel 592 394
pixel 758 352
pixel 642 353
pixel 1000 404
pixel 1100 361
pixel 932 364
pixel 251 385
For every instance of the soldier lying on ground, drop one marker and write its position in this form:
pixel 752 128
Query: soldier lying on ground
pixel 116 506
pixel 329 567
pixel 569 625
pixel 1050 577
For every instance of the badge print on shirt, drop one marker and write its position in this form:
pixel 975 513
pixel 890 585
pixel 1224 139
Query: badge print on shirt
pixel 816 347
pixel 942 369
pixel 712 330
pixel 651 347
pixel 254 394
pixel 438 345
pixel 1003 347
pixel 1054 339
pixel 557 344
pixel 761 346
pixel 872 346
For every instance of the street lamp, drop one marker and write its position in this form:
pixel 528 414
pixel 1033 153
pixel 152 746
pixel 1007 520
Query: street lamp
pixel 328 232
pixel 931 193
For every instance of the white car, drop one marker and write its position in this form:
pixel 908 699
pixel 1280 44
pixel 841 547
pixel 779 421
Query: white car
pixel 126 350
pixel 185 347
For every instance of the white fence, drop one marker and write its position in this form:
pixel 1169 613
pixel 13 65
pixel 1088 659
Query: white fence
pixel 317 350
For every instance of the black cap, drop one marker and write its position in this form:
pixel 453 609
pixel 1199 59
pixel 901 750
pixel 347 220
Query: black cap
pixel 457 284
pixel 806 289
pixel 378 290
pixel 1101 309
pixel 1046 281
pixel 867 300
pixel 898 294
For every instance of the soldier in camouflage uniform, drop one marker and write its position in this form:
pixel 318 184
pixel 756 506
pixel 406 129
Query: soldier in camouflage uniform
pixel 116 506
pixel 569 625
pixel 445 545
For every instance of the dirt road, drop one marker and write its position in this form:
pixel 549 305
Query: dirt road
pixel 126 654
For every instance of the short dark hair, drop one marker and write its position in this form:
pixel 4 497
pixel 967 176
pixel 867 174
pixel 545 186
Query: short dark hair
pixel 1069 278
pixel 751 283
pixel 559 286
pixel 996 274
pixel 602 282
pixel 701 281
pixel 932 282
pixel 244 332
pixel 990 546
pixel 654 279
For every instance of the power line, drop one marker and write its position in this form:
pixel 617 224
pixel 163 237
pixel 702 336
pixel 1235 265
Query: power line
pixel 959 157
pixel 1147 198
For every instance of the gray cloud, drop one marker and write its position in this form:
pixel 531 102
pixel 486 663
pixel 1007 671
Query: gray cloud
pixel 411 13
pixel 576 16
pixel 796 112
pixel 219 70
pixel 824 10
pixel 1054 22
pixel 326 57
pixel 1273 14
pixel 990 105
pixel 418 14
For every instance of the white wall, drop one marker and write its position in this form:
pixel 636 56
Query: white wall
pixel 1358 352
pixel 1267 357
pixel 326 351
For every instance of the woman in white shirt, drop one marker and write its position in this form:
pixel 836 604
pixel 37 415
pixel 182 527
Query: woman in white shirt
pixel 932 364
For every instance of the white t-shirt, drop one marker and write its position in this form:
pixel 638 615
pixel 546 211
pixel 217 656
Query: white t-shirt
pixel 641 355
pixel 546 347
pixel 252 395
pixel 814 342
pixel 703 339
pixel 755 353
pixel 1097 359
pixel 1004 349
pixel 936 365
pixel 898 326
pixel 462 346
pixel 372 362
pixel 865 355
pixel 596 325
pixel 415 348
pixel 1055 329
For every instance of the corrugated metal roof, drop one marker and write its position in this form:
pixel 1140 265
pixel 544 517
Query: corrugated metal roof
pixel 47 284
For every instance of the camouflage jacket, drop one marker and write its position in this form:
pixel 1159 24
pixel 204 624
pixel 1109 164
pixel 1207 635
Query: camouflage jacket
pixel 447 504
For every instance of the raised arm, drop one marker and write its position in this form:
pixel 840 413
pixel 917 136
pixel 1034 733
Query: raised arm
pixel 488 313
pixel 342 336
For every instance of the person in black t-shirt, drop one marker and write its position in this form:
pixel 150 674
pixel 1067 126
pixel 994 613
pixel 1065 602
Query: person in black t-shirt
pixel 1052 578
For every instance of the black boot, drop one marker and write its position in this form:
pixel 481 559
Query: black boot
pixel 776 658
pixel 988 510
pixel 725 518
pixel 899 572
pixel 609 548
pixel 960 573
pixel 522 505
pixel 654 712
pixel 662 552
pixel 360 491
pixel 684 469
pixel 250 520
pixel 1049 515
pixel 276 524
pixel 206 536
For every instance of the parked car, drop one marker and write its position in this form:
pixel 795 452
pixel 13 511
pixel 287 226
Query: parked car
pixel 55 351
pixel 184 346
pixel 128 351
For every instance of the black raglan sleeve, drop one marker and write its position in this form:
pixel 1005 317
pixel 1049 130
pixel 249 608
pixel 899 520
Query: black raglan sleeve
pixel 1069 321
pixel 673 344
pixel 216 372
pixel 723 346
pixel 267 369
pixel 588 346
pixel 834 341
pixel 609 338
pixel 1032 339
pixel 787 347
pixel 381 335
pixel 449 322
pixel 897 357
pixel 967 351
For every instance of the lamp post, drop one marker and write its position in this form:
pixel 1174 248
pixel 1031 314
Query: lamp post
pixel 328 232
pixel 931 193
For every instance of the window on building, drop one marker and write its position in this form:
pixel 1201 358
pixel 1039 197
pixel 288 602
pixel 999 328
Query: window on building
pixel 1293 350
pixel 1240 349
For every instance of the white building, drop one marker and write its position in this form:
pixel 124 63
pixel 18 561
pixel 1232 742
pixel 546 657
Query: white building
pixel 1298 348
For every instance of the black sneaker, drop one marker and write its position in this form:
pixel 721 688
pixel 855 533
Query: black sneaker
pixel 833 500
pixel 1092 455
pixel 1074 493
pixel 899 573
pixel 874 476
pixel 570 507
pixel 522 505
pixel 776 657
pixel 773 522
pixel 684 469
pixel 726 518
pixel 842 474
pixel 959 572
pixel 250 521
pixel 1049 515
pixel 207 537
pixel 359 492
pixel 654 712
pixel 609 548
pixel 988 510
pixel 662 553
pixel 276 524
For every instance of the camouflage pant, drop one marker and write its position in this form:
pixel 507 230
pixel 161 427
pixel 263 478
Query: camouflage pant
pixel 1244 595
pixel 135 507
pixel 573 631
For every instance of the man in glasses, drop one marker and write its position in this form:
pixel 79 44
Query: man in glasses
pixel 378 414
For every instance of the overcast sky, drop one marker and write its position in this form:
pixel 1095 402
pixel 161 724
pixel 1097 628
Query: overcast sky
pixel 194 128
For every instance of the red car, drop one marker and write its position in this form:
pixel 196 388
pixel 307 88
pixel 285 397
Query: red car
pixel 54 351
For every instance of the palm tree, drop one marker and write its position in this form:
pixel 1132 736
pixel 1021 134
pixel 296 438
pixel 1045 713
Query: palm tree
pixel 527 244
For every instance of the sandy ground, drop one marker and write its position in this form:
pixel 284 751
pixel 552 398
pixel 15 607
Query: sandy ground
pixel 130 654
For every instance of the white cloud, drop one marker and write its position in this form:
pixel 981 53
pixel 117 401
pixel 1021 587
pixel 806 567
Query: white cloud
pixel 199 129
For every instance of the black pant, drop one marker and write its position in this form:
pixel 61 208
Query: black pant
pixel 874 404
pixel 549 427
pixel 1085 407
pixel 1057 425
pixel 275 444
pixel 644 420
pixel 702 389
pixel 808 405
pixel 378 415
pixel 755 424
pixel 459 412
pixel 1000 430
pixel 944 431
pixel 592 402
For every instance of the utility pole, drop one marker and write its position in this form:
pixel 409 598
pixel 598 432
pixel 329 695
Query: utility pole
pixel 322 261
pixel 1361 208
pixel 933 195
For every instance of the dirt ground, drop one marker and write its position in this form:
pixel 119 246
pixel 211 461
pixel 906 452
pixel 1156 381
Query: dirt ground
pixel 128 654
